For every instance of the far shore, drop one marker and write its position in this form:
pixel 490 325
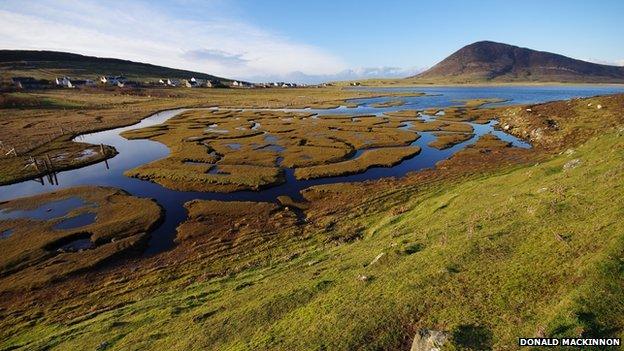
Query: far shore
pixel 391 84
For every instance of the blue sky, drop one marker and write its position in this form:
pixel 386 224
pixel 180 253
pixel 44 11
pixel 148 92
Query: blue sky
pixel 309 40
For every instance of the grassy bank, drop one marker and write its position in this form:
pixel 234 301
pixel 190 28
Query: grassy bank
pixel 494 244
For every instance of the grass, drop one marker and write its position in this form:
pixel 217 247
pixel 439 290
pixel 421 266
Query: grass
pixel 384 157
pixel 446 140
pixel 250 148
pixel 522 245
pixel 30 256
pixel 299 301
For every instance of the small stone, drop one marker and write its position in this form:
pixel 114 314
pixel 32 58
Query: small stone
pixel 529 110
pixel 572 164
pixel 599 107
pixel 102 346
pixel 376 258
pixel 363 278
pixel 589 105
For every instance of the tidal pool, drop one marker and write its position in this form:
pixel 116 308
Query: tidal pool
pixel 133 153
pixel 78 221
pixel 49 210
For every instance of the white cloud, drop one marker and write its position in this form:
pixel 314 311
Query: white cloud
pixel 348 74
pixel 606 62
pixel 135 31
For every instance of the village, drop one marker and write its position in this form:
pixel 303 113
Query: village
pixel 30 83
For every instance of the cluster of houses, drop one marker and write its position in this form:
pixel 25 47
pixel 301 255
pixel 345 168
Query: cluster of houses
pixel 187 83
pixel 121 81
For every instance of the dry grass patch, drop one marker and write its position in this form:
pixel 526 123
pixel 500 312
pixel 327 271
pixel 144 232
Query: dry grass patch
pixel 36 251
pixel 384 157
pixel 446 140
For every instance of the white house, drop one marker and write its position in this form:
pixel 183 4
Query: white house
pixel 235 84
pixel 65 82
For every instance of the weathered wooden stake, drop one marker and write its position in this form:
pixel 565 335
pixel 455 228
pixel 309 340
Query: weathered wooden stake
pixel 50 162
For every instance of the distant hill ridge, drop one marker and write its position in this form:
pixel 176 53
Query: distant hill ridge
pixel 488 61
pixel 50 64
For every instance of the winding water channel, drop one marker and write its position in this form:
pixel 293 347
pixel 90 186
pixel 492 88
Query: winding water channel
pixel 133 153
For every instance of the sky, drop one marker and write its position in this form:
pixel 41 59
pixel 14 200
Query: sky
pixel 309 41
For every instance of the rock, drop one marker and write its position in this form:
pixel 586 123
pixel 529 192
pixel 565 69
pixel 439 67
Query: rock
pixel 429 340
pixel 599 107
pixel 589 105
pixel 377 258
pixel 102 346
pixel 572 164
pixel 506 127
pixel 529 110
pixel 363 278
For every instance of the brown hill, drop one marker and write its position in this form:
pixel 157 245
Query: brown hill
pixel 51 64
pixel 487 61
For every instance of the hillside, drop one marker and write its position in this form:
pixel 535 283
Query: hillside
pixel 51 64
pixel 487 61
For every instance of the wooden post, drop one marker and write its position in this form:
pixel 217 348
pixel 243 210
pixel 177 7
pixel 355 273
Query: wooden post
pixel 50 162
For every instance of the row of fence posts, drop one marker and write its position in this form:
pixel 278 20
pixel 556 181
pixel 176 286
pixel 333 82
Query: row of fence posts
pixel 45 165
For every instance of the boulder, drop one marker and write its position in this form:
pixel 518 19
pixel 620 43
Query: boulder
pixel 429 340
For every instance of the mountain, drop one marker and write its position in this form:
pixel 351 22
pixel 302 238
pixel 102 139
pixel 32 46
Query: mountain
pixel 51 64
pixel 487 61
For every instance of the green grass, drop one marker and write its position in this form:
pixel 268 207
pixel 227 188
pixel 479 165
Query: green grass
pixel 491 258
pixel 29 101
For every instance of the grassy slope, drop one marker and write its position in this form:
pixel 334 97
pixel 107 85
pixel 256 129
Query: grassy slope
pixel 520 252
pixel 51 64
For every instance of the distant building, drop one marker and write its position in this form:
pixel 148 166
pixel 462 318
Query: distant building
pixel 113 80
pixel 235 84
pixel 64 82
